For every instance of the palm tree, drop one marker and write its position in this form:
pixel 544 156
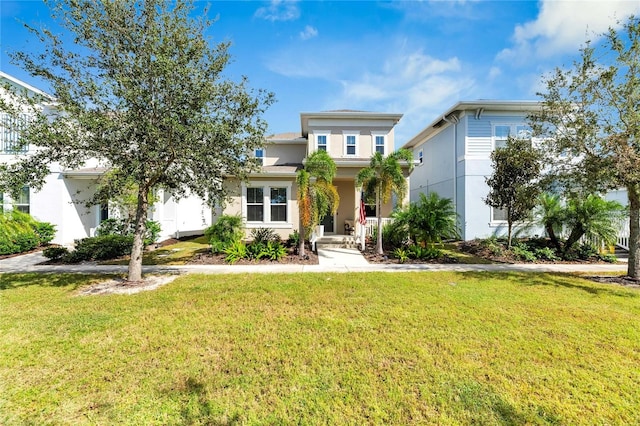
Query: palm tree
pixel 383 178
pixel 317 195
pixel 551 215
pixel 430 220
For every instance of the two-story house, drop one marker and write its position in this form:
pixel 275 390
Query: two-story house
pixel 268 199
pixel 61 200
pixel 453 155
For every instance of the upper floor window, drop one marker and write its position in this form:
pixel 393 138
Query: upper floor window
pixel 321 142
pixel 10 128
pixel 380 144
pixel 350 144
pixel 502 132
pixel 420 157
pixel 259 154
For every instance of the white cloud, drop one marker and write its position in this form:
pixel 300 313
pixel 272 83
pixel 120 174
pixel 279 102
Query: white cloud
pixel 309 32
pixel 494 73
pixel 563 26
pixel 279 10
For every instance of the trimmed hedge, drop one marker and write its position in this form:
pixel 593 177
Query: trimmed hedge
pixel 19 232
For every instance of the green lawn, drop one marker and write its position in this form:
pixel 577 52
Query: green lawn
pixel 374 348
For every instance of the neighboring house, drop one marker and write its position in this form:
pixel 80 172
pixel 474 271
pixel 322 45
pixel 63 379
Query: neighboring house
pixel 61 200
pixel 453 155
pixel 268 199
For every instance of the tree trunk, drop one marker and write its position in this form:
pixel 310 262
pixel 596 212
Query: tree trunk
pixel 633 267
pixel 574 237
pixel 135 263
pixel 552 237
pixel 509 228
pixel 301 235
pixel 379 214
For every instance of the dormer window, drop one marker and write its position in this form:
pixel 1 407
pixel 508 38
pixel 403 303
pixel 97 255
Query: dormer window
pixel 259 154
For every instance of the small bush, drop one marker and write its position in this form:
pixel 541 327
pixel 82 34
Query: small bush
pixel 125 228
pixel 101 248
pixel 610 258
pixel 256 249
pixel 235 251
pixel 400 254
pixel 263 235
pixel 274 251
pixel 546 253
pixel 45 232
pixel 55 253
pixel 586 251
pixel 26 241
pixel 416 251
pixel 7 246
pixel 294 239
pixel 227 230
pixel 522 252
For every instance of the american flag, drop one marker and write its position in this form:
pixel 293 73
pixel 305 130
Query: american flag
pixel 363 215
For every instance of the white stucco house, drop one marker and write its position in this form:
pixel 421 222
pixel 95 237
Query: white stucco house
pixel 61 200
pixel 453 154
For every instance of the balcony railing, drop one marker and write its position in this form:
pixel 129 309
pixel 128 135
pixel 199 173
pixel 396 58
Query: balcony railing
pixel 372 223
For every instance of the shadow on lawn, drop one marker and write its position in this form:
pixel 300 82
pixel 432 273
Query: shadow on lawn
pixel 73 281
pixel 479 401
pixel 198 409
pixel 566 280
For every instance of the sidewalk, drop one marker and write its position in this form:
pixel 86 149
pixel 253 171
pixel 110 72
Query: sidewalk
pixel 334 260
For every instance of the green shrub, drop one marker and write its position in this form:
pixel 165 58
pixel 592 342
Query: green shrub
pixel 256 250
pixel 522 252
pixel 586 251
pixel 235 251
pixel 26 241
pixel 227 229
pixel 103 247
pixel 7 246
pixel 416 251
pixel 45 232
pixel 546 253
pixel 55 253
pixel 263 235
pixel 611 258
pixel 274 250
pixel 294 239
pixel 125 228
pixel 400 254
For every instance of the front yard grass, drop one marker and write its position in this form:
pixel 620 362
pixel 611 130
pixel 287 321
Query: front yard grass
pixel 371 348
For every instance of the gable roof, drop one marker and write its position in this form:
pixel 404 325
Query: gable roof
pixel 478 107
pixel 345 114
pixel 15 82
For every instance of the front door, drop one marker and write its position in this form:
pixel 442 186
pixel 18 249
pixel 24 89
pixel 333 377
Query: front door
pixel 327 221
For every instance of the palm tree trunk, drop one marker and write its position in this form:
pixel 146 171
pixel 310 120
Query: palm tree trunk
pixel 633 267
pixel 301 234
pixel 379 215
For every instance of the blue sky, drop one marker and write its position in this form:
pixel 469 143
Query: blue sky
pixel 417 58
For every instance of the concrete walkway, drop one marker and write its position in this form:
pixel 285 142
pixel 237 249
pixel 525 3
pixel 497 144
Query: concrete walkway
pixel 330 260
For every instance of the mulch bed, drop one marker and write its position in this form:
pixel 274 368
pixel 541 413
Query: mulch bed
pixel 292 258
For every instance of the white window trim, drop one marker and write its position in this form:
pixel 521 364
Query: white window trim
pixel 255 154
pixel 495 222
pixel 345 134
pixel 266 193
pixel 374 135
pixel 513 131
pixel 318 133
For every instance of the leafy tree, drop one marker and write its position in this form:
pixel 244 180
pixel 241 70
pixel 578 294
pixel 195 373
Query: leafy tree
pixel 142 90
pixel 590 122
pixel 430 220
pixel 513 184
pixel 317 196
pixel 382 178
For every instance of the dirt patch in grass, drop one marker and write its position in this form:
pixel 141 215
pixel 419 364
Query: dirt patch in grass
pixel 622 280
pixel 123 286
